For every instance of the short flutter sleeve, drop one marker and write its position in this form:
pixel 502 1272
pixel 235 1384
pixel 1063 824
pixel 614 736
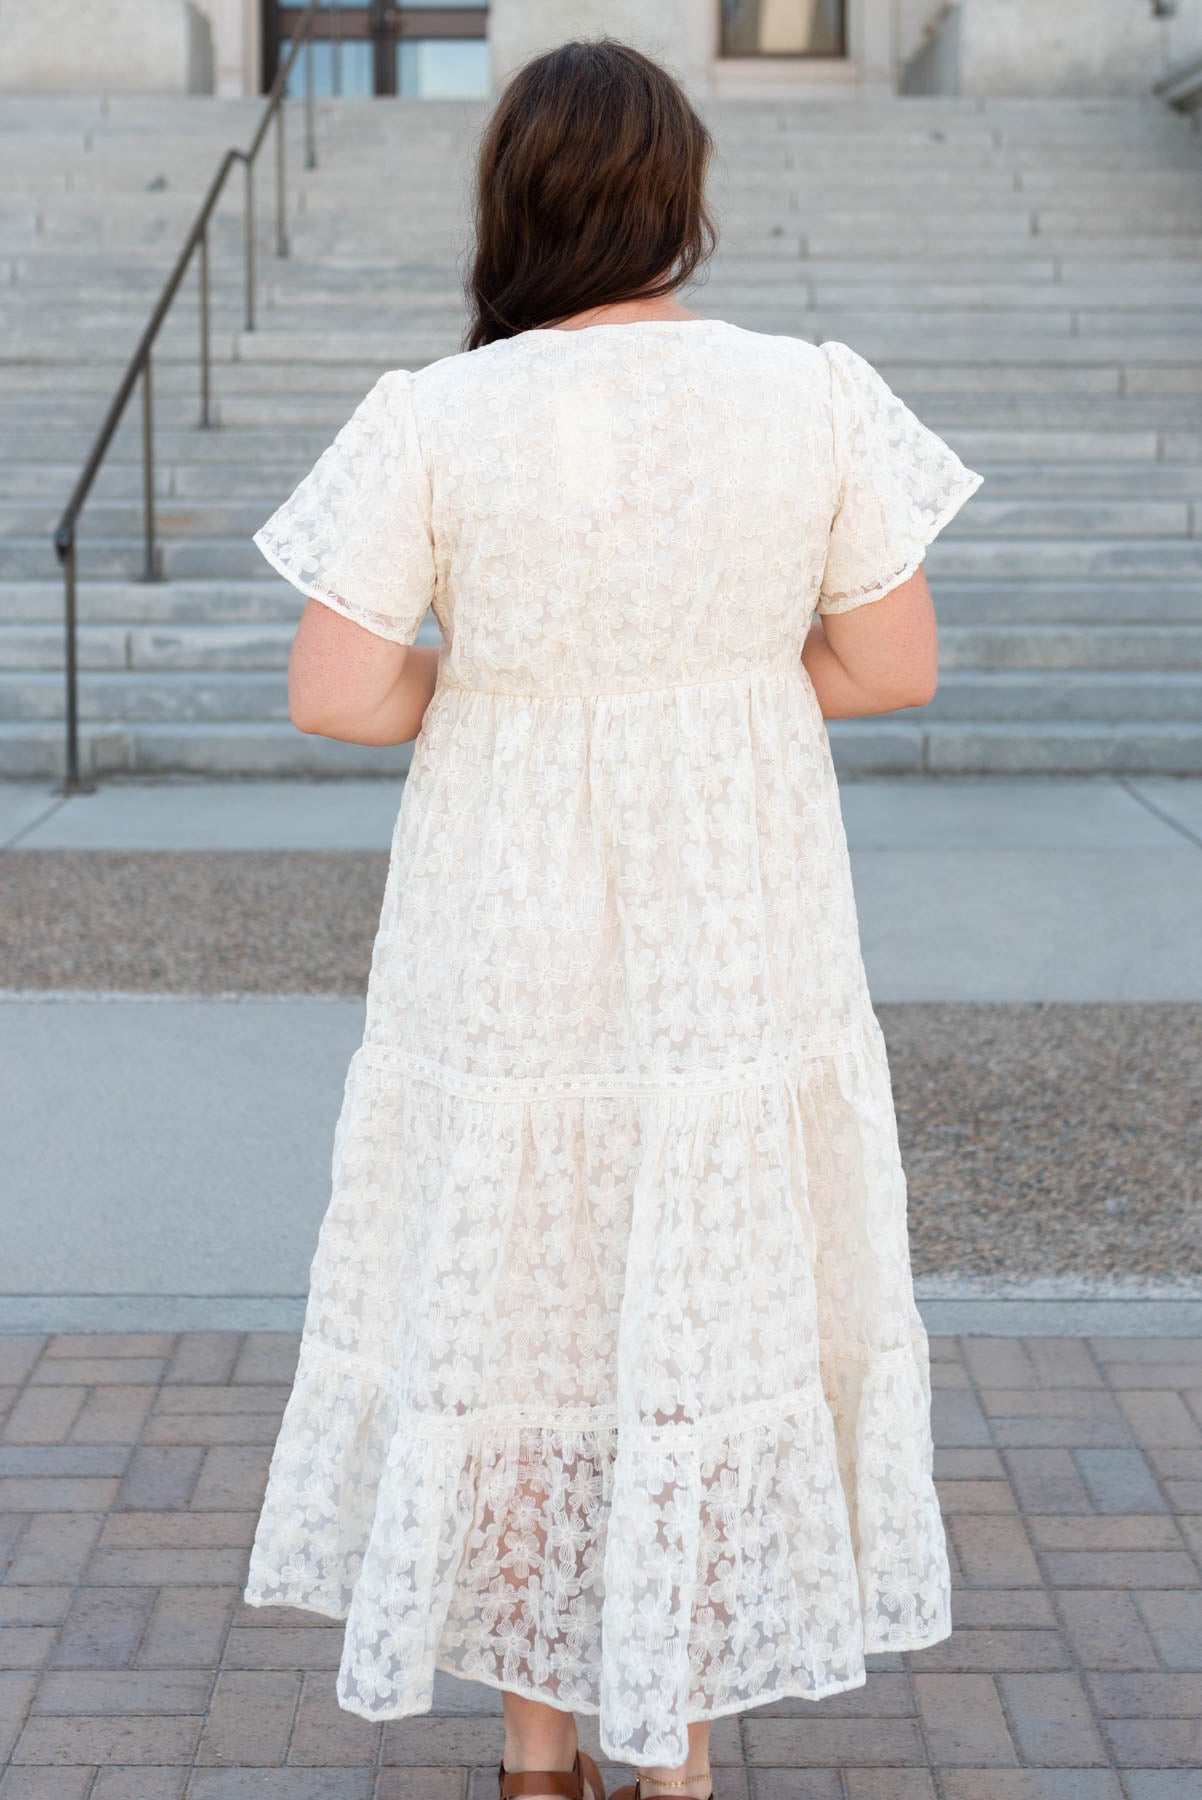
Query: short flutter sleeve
pixel 355 533
pixel 898 485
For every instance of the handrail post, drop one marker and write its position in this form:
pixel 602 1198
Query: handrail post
pixel 281 210
pixel 150 570
pixel 206 380
pixel 72 782
pixel 310 127
pixel 248 239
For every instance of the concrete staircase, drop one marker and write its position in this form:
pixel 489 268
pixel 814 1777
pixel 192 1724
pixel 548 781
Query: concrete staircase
pixel 1027 274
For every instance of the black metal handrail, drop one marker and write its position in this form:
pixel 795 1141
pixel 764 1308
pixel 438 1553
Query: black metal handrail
pixel 196 243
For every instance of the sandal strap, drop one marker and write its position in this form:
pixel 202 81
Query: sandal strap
pixel 547 1781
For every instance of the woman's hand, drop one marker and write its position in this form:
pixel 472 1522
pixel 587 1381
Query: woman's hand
pixel 878 657
pixel 345 682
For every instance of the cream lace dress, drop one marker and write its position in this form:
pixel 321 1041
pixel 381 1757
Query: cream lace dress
pixel 612 1389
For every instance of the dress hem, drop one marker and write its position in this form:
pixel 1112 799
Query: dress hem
pixel 530 1691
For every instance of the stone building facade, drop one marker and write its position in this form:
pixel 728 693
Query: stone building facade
pixel 722 47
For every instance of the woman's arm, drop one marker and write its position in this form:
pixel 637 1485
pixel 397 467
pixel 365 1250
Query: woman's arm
pixel 877 657
pixel 346 682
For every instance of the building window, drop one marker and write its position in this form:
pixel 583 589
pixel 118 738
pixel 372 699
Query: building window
pixel 427 52
pixel 443 68
pixel 783 28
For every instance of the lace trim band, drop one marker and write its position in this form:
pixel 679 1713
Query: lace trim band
pixel 394 1061
pixel 593 1420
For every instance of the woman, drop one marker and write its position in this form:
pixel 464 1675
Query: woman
pixel 612 1391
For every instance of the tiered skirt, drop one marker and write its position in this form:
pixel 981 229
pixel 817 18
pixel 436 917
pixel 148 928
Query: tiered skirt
pixel 614 1397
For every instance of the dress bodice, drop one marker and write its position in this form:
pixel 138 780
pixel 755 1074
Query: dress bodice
pixel 622 507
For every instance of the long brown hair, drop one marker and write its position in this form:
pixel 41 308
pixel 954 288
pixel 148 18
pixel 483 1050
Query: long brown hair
pixel 590 190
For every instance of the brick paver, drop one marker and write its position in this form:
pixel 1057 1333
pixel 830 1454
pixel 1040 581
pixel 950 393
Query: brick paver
pixel 131 1468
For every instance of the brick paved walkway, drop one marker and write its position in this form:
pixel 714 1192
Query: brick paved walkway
pixel 130 1475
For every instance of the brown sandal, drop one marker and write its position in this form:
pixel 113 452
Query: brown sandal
pixel 554 1781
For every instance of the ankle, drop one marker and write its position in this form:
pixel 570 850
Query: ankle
pixel 520 1756
pixel 676 1785
pixel 650 1789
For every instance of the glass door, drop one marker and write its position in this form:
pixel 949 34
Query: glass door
pixel 385 47
pixel 783 28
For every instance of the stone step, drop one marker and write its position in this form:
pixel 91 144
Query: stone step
pixel 1035 260
pixel 878 746
pixel 989 358
pixel 210 646
pixel 869 747
pixel 1105 393
pixel 1012 518
pixel 1133 334
pixel 959 554
pixel 989 648
pixel 266 482
pixel 176 343
pixel 983 346
pixel 192 446
pixel 1109 325
pixel 169 695
pixel 1008 697
pixel 174 518
pixel 32 382
pixel 263 748
pixel 923 385
pixel 836 220
pixel 1066 244
pixel 263 598
pixel 298 448
pixel 908 291
pixel 757 186
pixel 1036 602
pixel 790 238
pixel 1035 300
pixel 1082 294
pixel 1066 696
pixel 214 646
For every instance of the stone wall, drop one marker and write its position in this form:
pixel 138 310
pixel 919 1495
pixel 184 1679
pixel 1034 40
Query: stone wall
pixel 104 46
pixel 1050 47
pixel 988 46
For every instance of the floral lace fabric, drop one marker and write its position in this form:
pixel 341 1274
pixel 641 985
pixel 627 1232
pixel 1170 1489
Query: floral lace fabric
pixel 612 1387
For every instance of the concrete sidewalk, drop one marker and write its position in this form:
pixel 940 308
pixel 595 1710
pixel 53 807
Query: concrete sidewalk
pixel 934 813
pixel 169 1149
pixel 168 1161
